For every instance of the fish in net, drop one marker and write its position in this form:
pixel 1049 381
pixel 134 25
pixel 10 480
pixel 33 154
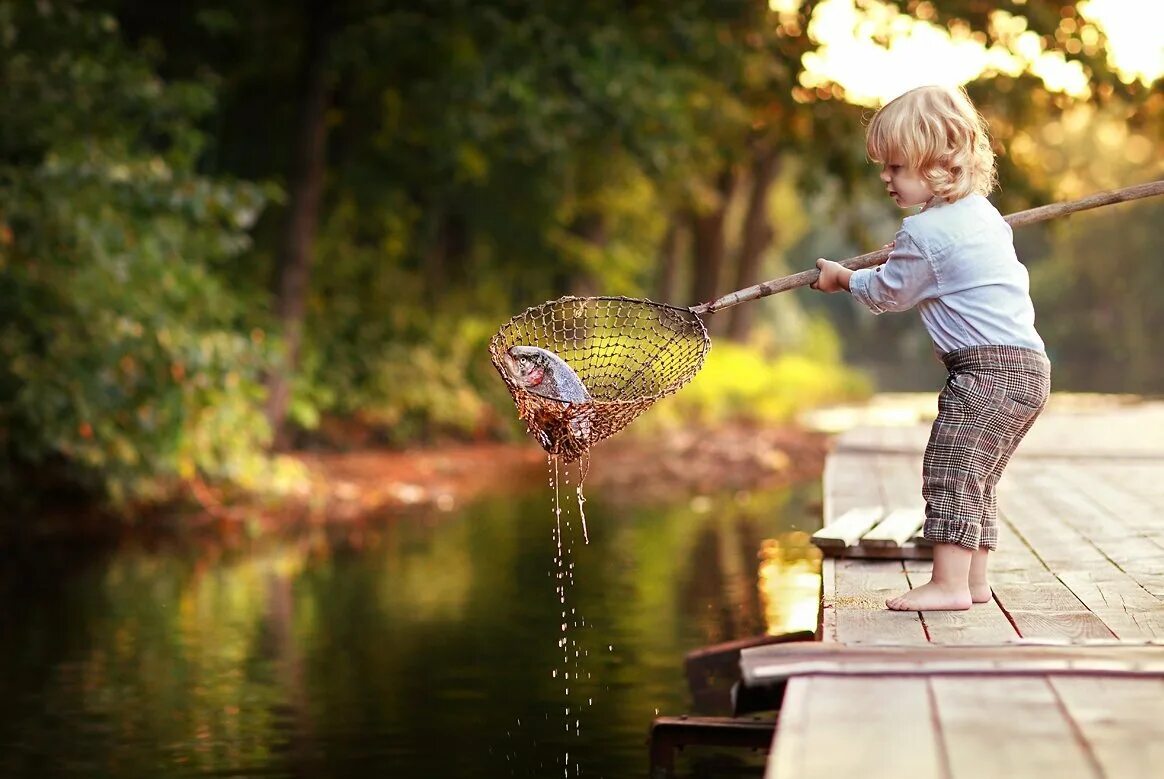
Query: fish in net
pixel 581 369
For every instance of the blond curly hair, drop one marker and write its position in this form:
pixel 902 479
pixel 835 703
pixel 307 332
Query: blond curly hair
pixel 936 131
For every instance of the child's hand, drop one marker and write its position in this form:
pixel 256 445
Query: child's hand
pixel 833 276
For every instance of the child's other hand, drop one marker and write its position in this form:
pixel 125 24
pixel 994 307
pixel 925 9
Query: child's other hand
pixel 834 277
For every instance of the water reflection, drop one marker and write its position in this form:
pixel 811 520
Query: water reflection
pixel 419 647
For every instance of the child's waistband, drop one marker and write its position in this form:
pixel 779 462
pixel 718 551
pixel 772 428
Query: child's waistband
pixel 999 358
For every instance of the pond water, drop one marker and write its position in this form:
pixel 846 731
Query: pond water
pixel 425 646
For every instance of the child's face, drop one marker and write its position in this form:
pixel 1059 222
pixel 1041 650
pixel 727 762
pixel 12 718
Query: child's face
pixel 905 186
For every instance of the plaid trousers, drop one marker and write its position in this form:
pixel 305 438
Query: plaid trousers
pixel 992 396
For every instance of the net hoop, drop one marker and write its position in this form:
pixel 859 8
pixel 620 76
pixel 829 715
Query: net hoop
pixel 628 352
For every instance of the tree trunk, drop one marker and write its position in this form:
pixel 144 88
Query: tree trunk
pixel 293 264
pixel 445 258
pixel 757 237
pixel 708 243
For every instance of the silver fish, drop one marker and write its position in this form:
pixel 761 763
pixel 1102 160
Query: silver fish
pixel 544 373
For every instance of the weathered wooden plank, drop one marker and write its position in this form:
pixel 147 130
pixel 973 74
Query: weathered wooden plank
pixel 1069 625
pixel 1133 625
pixel 862 587
pixel 1125 607
pixel 1058 545
pixel 1128 513
pixel 857 578
pixel 774 664
pixel 982 623
pixel 1121 722
pixel 1098 591
pixel 862 551
pixel 1025 597
pixel 1120 525
pixel 1014 554
pixel 828 601
pixel 1146 481
pixel 901 481
pixel 1006 727
pixel 896 529
pixel 848 528
pixel 847 485
pixel 818 712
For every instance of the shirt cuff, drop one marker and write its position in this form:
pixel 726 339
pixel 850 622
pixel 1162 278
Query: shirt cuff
pixel 859 288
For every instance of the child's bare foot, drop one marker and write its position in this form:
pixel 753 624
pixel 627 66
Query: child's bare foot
pixel 932 597
pixel 980 593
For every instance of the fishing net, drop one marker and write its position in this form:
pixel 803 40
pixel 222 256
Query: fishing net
pixel 628 353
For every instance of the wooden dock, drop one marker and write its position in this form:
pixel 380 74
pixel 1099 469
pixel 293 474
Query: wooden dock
pixel 1080 566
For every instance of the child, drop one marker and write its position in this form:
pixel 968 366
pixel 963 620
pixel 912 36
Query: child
pixel 955 261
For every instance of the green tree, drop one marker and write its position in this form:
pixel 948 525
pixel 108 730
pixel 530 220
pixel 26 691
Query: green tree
pixel 123 366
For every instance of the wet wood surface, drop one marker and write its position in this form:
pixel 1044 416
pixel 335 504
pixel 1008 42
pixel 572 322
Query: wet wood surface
pixel 1080 565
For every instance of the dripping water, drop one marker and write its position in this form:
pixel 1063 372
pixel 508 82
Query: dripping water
pixel 571 672
pixel 583 469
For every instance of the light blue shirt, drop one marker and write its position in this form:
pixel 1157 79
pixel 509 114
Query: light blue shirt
pixel 956 263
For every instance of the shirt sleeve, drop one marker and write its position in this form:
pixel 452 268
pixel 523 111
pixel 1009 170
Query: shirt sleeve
pixel 906 279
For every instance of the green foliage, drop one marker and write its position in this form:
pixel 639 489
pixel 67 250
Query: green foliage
pixel 761 384
pixel 123 356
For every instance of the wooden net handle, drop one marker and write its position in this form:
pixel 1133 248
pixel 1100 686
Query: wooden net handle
pixel 868 260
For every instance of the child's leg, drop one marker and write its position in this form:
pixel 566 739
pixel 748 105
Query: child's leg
pixel 948 588
pixel 979 587
pixel 955 468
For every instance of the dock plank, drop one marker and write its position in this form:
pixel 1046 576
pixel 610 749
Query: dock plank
pixel 901 481
pixel 827 627
pixel 862 495
pixel 862 587
pixel 1006 727
pixel 982 623
pixel 1121 721
pixel 1076 560
pixel 772 665
pixel 816 710
pixel 897 528
pixel 1120 525
pixel 847 485
pixel 848 528
pixel 1066 625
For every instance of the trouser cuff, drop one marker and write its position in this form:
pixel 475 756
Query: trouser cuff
pixel 954 531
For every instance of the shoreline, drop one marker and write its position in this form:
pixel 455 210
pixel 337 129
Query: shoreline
pixel 629 470
pixel 370 484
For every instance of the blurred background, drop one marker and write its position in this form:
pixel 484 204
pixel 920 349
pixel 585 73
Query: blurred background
pixel 251 255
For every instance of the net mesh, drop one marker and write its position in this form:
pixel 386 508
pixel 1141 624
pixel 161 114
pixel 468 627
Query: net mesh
pixel 628 353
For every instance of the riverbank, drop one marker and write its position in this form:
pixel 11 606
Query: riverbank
pixel 627 470
pixel 367 484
